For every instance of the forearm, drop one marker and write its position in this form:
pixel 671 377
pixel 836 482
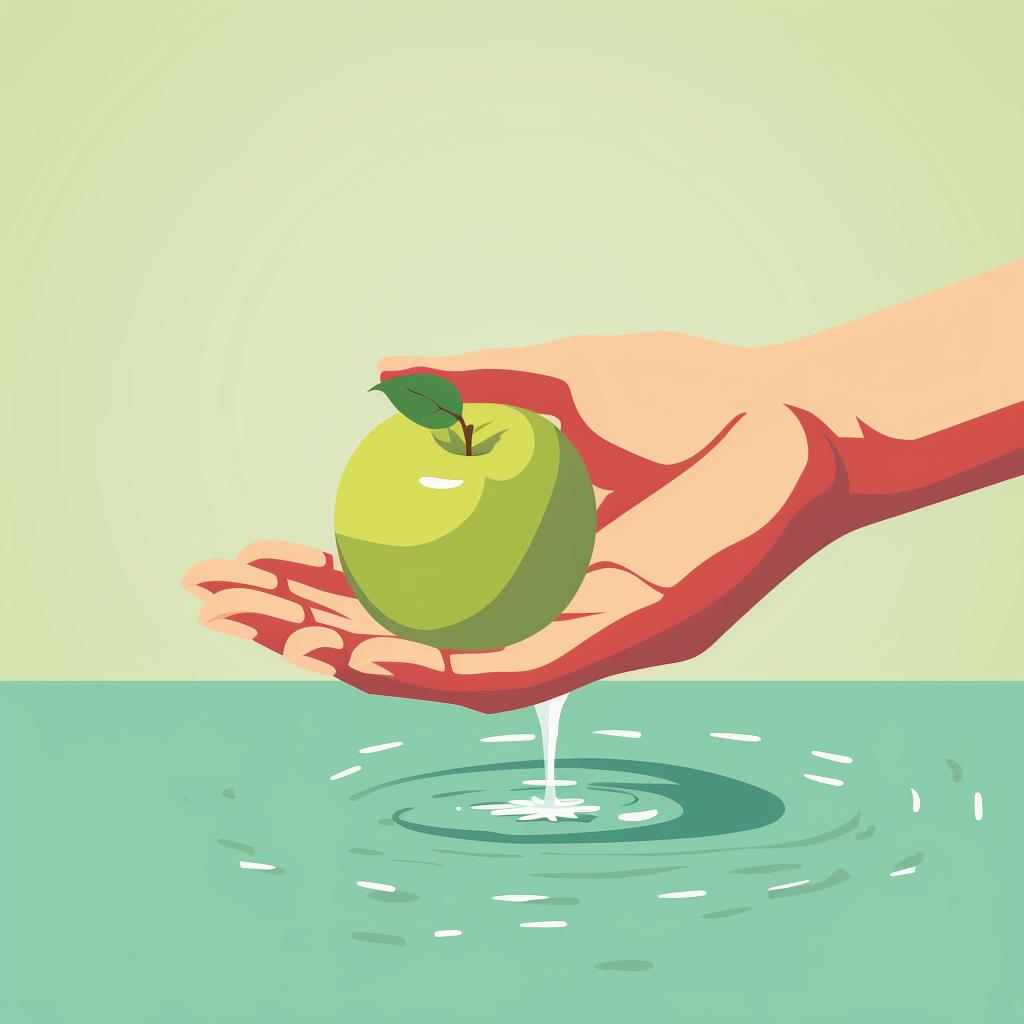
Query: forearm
pixel 924 400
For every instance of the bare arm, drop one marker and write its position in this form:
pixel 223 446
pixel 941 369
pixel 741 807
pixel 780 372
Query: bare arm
pixel 727 469
pixel 924 400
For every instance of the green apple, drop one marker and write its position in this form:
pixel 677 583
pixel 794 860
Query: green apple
pixel 465 552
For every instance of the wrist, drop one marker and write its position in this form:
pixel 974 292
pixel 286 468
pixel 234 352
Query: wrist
pixel 921 402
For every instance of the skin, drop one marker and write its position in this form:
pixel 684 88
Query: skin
pixel 730 468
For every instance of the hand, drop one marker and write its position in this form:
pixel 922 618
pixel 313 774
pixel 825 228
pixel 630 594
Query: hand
pixel 713 481
pixel 702 474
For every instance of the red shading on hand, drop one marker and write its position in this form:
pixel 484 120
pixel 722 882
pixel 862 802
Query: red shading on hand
pixel 713 480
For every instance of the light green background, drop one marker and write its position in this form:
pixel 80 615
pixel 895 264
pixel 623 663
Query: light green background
pixel 217 216
pixel 214 218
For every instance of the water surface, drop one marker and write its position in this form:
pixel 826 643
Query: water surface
pixel 130 808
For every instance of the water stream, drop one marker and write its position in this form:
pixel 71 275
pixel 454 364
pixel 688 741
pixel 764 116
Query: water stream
pixel 549 713
pixel 549 807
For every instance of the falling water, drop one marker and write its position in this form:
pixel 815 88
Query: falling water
pixel 548 714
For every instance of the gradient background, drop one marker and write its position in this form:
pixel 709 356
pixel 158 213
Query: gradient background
pixel 217 216
pixel 214 218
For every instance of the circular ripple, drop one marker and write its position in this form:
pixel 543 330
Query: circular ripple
pixel 689 803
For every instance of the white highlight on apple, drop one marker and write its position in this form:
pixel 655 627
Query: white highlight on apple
pixel 447 933
pixel 739 737
pixel 512 737
pixel 252 865
pixel 543 924
pixel 823 779
pixel 903 871
pixel 440 483
pixel 687 894
pixel 638 815
pixel 377 886
pixel 915 800
pixel 381 746
pixel 979 807
pixel 348 771
pixel 626 734
pixel 518 899
pixel 840 758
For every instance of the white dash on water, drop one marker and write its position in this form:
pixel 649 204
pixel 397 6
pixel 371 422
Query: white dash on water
pixel 252 865
pixel 348 771
pixel 514 898
pixel 825 755
pixel 915 800
pixel 979 807
pixel 447 933
pixel 788 885
pixel 903 871
pixel 377 748
pixel 376 886
pixel 823 779
pixel 638 815
pixel 626 734
pixel 512 737
pixel 543 924
pixel 688 894
pixel 739 737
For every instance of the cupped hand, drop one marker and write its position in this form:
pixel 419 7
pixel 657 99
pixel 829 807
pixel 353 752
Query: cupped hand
pixel 706 482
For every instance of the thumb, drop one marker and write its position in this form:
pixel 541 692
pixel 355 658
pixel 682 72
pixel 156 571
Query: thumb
pixel 530 377
pixel 537 358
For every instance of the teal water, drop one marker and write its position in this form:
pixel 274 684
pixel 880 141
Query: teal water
pixel 128 808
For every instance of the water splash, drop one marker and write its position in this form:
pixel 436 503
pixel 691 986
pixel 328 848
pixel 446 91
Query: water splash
pixel 550 807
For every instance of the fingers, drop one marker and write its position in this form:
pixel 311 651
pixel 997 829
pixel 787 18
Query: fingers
pixel 271 565
pixel 533 377
pixel 322 630
pixel 732 493
pixel 283 551
pixel 332 609
pixel 642 602
pixel 537 377
pixel 231 628
pixel 293 601
pixel 559 658
pixel 529 358
pixel 605 597
pixel 269 619
pixel 225 571
pixel 300 645
pixel 237 601
pixel 372 657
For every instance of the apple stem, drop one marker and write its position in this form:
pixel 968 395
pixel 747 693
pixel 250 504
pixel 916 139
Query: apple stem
pixel 467 429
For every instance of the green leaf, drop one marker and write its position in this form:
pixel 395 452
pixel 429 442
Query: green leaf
pixel 424 398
